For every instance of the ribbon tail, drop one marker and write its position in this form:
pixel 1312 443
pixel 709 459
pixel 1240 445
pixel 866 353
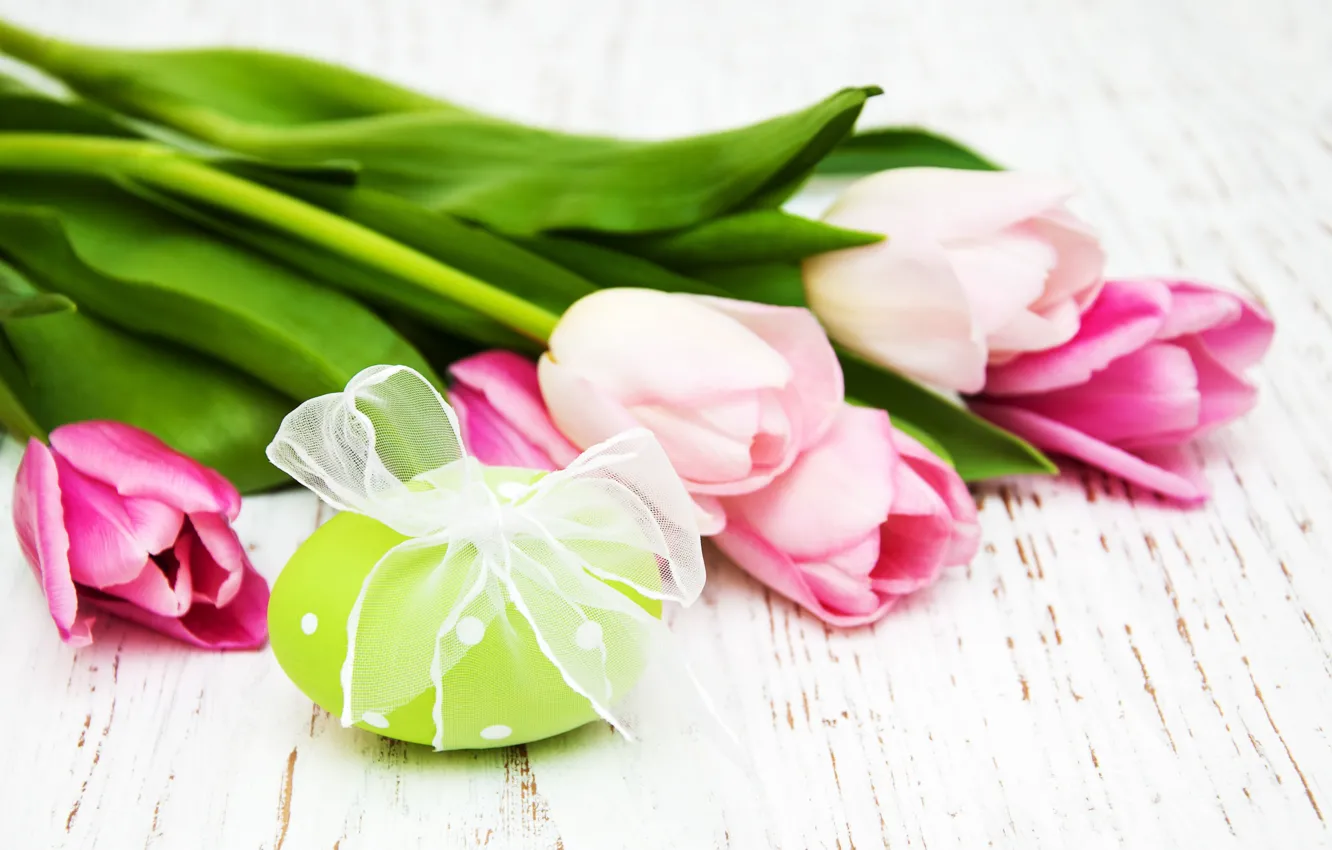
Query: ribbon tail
pixel 394 628
pixel 449 646
pixel 599 640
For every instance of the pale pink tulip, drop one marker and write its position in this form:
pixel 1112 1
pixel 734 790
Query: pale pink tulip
pixel 977 268
pixel 502 415
pixel 733 390
pixel 863 518
pixel 112 520
pixel 1155 364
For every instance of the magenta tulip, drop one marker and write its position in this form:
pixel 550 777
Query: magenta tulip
pixel 865 517
pixel 112 520
pixel 1154 364
pixel 502 415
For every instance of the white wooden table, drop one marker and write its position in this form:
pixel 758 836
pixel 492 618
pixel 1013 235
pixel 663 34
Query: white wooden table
pixel 1111 671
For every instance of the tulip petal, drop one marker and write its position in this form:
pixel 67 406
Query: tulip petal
pixel 489 437
pixel 647 347
pixel 103 548
pixel 581 410
pixel 1195 308
pixel 799 338
pixel 143 466
pixel 1032 331
pixel 218 560
pixel 857 561
pixel 165 584
pixel 841 591
pixel 943 480
pixel 154 525
pixel 778 571
pixel 243 624
pixel 915 539
pixel 945 203
pixel 696 439
pixel 1124 317
pixel 501 394
pixel 900 305
pixel 834 493
pixel 1052 436
pixel 1002 275
pixel 39 520
pixel 710 514
pixel 1140 396
pixel 1078 274
pixel 1223 397
pixel 1238 343
pixel 701 451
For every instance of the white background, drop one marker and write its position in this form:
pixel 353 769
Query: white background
pixel 1111 671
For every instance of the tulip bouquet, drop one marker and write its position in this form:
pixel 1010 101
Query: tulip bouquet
pixel 192 242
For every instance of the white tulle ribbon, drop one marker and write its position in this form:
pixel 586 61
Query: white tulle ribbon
pixel 388 447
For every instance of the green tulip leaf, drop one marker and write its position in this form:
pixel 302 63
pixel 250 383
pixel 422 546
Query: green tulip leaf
pixel 524 180
pixel 511 177
pixel 14 413
pixel 367 284
pixel 900 147
pixel 771 283
pixel 73 367
pixel 607 267
pixel 223 85
pixel 26 110
pixel 19 299
pixel 976 448
pixel 152 273
pixel 757 236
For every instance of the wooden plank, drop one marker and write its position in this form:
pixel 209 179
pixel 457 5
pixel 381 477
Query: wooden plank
pixel 1111 671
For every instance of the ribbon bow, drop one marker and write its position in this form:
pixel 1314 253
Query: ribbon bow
pixel 388 447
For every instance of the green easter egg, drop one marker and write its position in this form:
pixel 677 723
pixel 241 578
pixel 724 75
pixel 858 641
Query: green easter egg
pixel 504 690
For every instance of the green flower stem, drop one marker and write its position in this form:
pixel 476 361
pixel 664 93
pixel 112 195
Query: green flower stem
pixel 26 46
pixel 160 167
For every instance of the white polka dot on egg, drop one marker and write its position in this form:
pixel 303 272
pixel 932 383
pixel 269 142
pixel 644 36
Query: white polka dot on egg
pixel 375 719
pixel 470 630
pixel 588 635
pixel 309 623
pixel 497 732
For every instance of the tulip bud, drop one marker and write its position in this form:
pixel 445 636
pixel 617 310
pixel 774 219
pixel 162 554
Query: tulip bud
pixel 978 267
pixel 863 518
pixel 1155 364
pixel 733 390
pixel 112 520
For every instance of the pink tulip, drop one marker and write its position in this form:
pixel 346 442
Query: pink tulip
pixel 111 519
pixel 863 518
pixel 733 390
pixel 502 415
pixel 978 267
pixel 1155 364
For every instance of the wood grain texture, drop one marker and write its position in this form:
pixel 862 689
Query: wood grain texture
pixel 1111 671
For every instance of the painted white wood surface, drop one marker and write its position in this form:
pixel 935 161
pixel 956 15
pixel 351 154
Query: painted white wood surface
pixel 1110 671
